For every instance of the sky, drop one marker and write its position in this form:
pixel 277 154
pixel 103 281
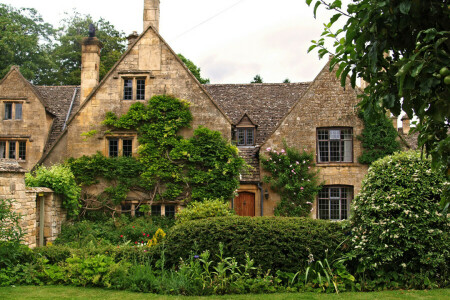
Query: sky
pixel 231 41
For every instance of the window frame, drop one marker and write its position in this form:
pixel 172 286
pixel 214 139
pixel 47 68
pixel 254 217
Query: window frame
pixel 135 92
pixel 328 140
pixel 8 113
pixel 18 147
pixel 245 130
pixel 349 190
pixel 120 145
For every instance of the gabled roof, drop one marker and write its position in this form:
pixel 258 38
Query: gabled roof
pixel 265 103
pixel 59 100
pixel 27 83
pixel 111 71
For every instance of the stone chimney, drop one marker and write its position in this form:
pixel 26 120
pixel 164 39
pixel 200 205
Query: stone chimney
pixel 90 65
pixel 132 38
pixel 151 14
pixel 405 124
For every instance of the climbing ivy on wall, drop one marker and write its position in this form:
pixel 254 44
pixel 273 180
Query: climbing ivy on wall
pixel 378 139
pixel 293 177
pixel 168 166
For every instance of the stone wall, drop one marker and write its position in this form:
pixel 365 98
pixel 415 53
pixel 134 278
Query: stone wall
pixel 324 105
pixel 151 59
pixel 27 203
pixel 33 127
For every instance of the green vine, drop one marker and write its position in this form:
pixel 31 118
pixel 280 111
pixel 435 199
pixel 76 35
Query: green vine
pixel 293 177
pixel 62 181
pixel 168 167
pixel 378 139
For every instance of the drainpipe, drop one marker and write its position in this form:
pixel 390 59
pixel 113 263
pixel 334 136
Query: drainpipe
pixel 261 193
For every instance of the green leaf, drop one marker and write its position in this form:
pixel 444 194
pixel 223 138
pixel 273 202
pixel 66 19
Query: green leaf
pixel 335 18
pixel 308 2
pixel 405 6
pixel 315 8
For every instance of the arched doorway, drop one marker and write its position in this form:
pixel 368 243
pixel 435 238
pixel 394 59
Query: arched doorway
pixel 244 204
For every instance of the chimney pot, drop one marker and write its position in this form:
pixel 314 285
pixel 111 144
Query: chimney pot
pixel 132 38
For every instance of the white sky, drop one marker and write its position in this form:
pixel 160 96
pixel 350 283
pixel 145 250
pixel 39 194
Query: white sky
pixel 263 37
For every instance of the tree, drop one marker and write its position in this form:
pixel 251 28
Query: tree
pixel 379 138
pixel 257 79
pixel 194 69
pixel 401 49
pixel 286 80
pixel 67 52
pixel 397 225
pixel 25 41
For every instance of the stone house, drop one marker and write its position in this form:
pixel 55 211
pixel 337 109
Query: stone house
pixel 44 125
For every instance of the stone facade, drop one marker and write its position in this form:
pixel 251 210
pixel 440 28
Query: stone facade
pixel 55 118
pixel 27 202
pixel 324 105
pixel 32 127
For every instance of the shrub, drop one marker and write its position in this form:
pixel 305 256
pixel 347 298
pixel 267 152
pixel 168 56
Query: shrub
pixel 62 181
pixel 397 224
pixel 10 229
pixel 274 243
pixel 202 210
pixel 293 177
pixel 378 138
pixel 118 231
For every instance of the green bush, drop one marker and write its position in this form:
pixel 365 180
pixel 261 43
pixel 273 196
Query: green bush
pixel 396 220
pixel 293 177
pixel 10 229
pixel 111 232
pixel 205 209
pixel 62 181
pixel 274 243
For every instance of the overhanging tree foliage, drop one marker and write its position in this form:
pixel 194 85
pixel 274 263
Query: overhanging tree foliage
pixel 67 52
pixel 401 49
pixel 194 69
pixel 25 41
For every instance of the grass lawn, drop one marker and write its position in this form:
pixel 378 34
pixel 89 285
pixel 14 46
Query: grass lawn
pixel 65 292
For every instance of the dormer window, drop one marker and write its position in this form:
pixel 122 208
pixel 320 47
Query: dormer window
pixel 245 131
pixel 246 136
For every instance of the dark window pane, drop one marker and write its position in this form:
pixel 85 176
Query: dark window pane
pixel 113 148
pixel 250 136
pixel 2 149
pixel 12 149
pixel 126 209
pixel 138 212
pixel 156 210
pixel 140 89
pixel 170 211
pixel 8 111
pixel 127 89
pixel 127 147
pixel 323 151
pixel 333 202
pixel 241 137
pixel 18 111
pixel 22 150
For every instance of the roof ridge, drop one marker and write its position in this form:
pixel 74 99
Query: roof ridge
pixel 257 84
pixel 72 86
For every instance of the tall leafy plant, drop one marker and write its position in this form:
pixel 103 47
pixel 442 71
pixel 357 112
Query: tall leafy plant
pixel 62 181
pixel 293 177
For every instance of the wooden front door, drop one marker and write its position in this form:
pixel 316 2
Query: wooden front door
pixel 244 204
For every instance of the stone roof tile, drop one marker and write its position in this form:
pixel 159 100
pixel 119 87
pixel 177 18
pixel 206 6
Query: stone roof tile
pixel 58 99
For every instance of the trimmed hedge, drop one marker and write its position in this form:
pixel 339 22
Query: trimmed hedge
pixel 275 243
